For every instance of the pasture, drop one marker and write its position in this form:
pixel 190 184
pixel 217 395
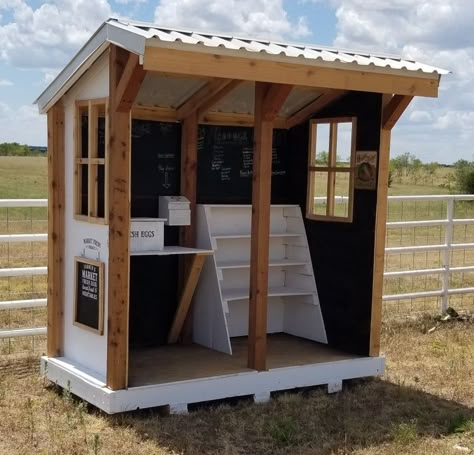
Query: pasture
pixel 424 404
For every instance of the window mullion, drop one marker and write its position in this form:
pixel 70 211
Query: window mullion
pixel 332 158
pixel 92 153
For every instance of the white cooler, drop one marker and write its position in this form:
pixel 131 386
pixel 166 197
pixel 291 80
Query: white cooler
pixel 146 234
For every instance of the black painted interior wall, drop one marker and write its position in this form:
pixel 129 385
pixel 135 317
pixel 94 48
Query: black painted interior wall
pixel 342 253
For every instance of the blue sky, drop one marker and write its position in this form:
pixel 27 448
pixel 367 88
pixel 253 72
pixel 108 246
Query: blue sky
pixel 40 37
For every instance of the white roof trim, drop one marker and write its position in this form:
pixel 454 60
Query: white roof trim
pixel 135 36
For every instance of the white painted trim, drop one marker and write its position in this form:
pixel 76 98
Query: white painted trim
pixel 91 388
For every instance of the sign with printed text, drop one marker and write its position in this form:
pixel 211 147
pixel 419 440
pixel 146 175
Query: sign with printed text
pixel 89 295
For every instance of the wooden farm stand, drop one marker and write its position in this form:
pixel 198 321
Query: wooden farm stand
pixel 274 284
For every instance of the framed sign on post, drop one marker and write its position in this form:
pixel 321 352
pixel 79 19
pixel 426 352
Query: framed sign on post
pixel 89 295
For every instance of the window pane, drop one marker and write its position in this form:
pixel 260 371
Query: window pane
pixel 100 191
pixel 344 139
pixel 84 122
pixel 84 190
pixel 101 138
pixel 341 206
pixel 322 144
pixel 320 187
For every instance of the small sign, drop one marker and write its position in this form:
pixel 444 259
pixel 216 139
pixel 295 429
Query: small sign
pixel 366 170
pixel 89 295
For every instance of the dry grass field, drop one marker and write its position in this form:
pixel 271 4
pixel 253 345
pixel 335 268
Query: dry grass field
pixel 423 405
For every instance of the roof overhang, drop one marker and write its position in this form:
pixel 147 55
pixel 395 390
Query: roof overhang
pixel 203 55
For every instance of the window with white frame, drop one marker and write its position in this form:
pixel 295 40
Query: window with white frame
pixel 331 169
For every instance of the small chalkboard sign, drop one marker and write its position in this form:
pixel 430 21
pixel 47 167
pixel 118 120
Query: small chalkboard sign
pixel 89 295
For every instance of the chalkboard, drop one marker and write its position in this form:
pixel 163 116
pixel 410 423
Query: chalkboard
pixel 225 164
pixel 89 295
pixel 155 165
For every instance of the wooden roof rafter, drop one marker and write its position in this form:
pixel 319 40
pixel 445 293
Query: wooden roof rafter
pixel 394 110
pixel 201 97
pixel 129 84
pixel 314 107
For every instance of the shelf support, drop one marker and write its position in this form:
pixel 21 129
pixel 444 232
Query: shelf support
pixel 184 303
pixel 268 100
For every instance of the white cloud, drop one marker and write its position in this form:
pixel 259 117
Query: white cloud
pixel 266 18
pixel 5 83
pixel 47 37
pixel 437 32
pixel 23 125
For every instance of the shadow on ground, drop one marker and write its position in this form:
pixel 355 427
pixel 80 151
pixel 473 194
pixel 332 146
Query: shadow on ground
pixel 367 413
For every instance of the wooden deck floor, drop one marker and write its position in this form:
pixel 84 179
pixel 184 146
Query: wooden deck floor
pixel 172 363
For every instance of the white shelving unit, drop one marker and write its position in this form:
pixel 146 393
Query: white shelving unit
pixel 221 299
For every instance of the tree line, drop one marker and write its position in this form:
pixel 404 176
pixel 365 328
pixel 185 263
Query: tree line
pixel 16 149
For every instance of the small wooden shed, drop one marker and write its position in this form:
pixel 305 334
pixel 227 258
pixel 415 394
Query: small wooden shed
pixel 217 211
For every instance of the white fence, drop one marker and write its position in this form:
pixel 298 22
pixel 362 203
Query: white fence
pixel 444 269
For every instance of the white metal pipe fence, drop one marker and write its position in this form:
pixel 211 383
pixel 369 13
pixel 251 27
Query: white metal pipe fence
pixel 425 213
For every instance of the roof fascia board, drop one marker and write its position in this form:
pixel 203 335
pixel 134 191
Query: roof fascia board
pixel 110 32
pixel 284 71
pixel 199 48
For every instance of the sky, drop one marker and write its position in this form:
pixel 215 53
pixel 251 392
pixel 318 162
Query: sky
pixel 38 38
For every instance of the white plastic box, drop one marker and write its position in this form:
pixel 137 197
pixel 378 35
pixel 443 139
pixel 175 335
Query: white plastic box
pixel 146 234
pixel 175 209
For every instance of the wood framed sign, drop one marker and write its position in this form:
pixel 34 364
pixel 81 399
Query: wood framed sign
pixel 89 294
pixel 366 170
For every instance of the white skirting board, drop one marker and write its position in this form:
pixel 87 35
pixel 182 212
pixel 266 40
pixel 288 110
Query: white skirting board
pixel 90 387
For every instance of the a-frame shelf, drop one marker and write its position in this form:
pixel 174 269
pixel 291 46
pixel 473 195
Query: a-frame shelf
pixel 222 297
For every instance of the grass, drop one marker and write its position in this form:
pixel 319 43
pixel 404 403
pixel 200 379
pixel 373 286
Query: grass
pixel 423 405
pixel 23 177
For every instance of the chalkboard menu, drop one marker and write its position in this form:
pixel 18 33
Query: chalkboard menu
pixel 225 164
pixel 155 164
pixel 89 295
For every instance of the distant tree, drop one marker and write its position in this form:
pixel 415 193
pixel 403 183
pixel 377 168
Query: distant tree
pixel 464 176
pixel 15 149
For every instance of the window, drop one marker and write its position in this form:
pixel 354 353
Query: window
pixel 90 171
pixel 331 169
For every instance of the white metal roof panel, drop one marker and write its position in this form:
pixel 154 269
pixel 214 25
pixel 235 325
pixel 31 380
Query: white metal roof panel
pixel 135 36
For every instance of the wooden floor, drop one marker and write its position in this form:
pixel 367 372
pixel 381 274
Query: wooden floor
pixel 173 363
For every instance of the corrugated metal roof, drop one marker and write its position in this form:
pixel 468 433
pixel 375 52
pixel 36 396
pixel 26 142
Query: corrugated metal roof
pixel 135 36
pixel 311 52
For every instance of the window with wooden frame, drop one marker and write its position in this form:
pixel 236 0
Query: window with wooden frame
pixel 90 173
pixel 331 169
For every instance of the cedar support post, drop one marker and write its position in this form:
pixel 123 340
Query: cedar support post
pixel 268 100
pixel 189 138
pixel 119 220
pixel 55 229
pixel 380 232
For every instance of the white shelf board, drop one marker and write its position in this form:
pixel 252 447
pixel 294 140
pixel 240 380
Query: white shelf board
pixel 280 291
pixel 247 206
pixel 248 236
pixel 272 263
pixel 169 250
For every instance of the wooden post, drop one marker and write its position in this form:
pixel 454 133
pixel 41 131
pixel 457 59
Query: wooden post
pixel 119 229
pixel 380 233
pixel 56 193
pixel 259 248
pixel 188 187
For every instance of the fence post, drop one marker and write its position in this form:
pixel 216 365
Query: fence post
pixel 448 240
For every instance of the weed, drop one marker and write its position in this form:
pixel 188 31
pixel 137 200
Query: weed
pixel 283 431
pixel 460 424
pixel 405 433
